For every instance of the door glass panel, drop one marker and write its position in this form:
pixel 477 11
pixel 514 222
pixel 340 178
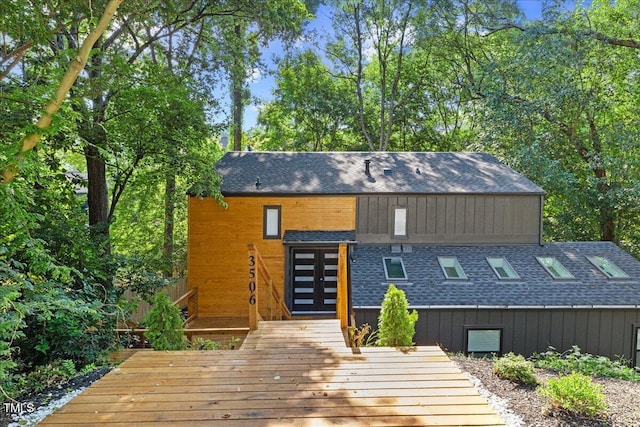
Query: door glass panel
pixel 315 276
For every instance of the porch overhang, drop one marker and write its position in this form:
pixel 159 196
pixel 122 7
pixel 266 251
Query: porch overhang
pixel 319 237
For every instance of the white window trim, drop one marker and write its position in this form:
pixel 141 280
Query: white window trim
pixel 442 260
pixel 271 229
pixel 400 221
pixel 505 265
pixel 595 260
pixel 386 272
pixel 556 263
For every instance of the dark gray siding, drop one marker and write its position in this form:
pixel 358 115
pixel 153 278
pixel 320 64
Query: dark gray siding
pixel 606 332
pixel 449 219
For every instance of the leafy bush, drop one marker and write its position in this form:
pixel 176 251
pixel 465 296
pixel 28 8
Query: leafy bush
pixel 164 325
pixel 574 393
pixel 202 344
pixel 396 326
pixel 515 368
pixel 42 377
pixel 574 360
pixel 138 275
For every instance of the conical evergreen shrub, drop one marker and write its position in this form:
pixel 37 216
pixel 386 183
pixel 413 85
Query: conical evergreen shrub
pixel 396 326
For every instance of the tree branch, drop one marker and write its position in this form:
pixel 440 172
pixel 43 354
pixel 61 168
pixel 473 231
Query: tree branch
pixel 76 66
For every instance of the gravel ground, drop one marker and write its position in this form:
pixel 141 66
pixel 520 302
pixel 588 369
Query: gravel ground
pixel 518 405
pixel 38 406
pixel 524 407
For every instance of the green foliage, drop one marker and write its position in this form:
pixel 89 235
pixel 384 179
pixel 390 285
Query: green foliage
pixel 53 304
pixel 202 344
pixel 136 275
pixel 585 363
pixel 515 368
pixel 396 326
pixel 575 393
pixel 164 325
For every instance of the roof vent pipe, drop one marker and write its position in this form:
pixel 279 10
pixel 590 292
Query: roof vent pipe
pixel 367 162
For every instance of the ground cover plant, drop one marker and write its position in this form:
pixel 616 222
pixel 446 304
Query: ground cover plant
pixel 515 368
pixel 588 364
pixel 575 393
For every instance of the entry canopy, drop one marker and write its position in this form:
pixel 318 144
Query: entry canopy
pixel 319 236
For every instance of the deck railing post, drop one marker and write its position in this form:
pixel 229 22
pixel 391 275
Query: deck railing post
pixel 342 300
pixel 270 300
pixel 253 287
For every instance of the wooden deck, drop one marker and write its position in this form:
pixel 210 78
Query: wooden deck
pixel 295 373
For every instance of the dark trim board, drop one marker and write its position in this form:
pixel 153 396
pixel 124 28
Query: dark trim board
pixel 600 331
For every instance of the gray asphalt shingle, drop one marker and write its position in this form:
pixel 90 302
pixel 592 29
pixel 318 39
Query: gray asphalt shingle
pixel 427 286
pixel 319 236
pixel 344 173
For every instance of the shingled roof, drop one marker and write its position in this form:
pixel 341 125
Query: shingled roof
pixel 426 285
pixel 251 173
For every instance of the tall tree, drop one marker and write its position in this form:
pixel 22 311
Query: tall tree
pixel 310 108
pixel 67 81
pixel 561 102
pixel 373 39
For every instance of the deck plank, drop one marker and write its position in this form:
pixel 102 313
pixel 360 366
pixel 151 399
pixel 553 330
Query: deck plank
pixel 297 373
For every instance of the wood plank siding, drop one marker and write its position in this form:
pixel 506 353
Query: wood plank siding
pixel 450 219
pixel 601 331
pixel 218 238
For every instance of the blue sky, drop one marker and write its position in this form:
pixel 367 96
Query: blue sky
pixel 262 87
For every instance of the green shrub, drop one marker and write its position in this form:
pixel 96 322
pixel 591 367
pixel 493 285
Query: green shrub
pixel 574 393
pixel 164 325
pixel 574 360
pixel 396 326
pixel 202 344
pixel 515 368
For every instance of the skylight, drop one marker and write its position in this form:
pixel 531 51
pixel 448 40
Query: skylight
pixel 394 268
pixel 451 268
pixel 554 268
pixel 502 268
pixel 607 268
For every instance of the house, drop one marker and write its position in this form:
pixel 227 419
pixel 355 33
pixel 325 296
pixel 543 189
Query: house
pixel 460 233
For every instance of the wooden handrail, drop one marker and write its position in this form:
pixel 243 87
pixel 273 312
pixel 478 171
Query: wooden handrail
pixel 342 300
pixel 191 297
pixel 259 276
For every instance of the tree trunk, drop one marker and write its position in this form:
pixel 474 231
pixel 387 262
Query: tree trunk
pixel 169 210
pixel 97 196
pixel 237 81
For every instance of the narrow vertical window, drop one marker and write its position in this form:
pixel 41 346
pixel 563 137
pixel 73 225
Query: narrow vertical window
pixel 271 222
pixel 400 222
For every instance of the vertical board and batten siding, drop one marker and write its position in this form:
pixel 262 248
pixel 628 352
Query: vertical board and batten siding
pixel 451 219
pixel 218 238
pixel 599 331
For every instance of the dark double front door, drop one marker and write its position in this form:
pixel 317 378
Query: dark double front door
pixel 315 280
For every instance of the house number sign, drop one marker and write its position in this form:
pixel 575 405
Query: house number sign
pixel 252 279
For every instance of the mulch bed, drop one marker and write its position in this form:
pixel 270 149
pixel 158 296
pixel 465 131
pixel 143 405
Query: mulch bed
pixel 622 397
